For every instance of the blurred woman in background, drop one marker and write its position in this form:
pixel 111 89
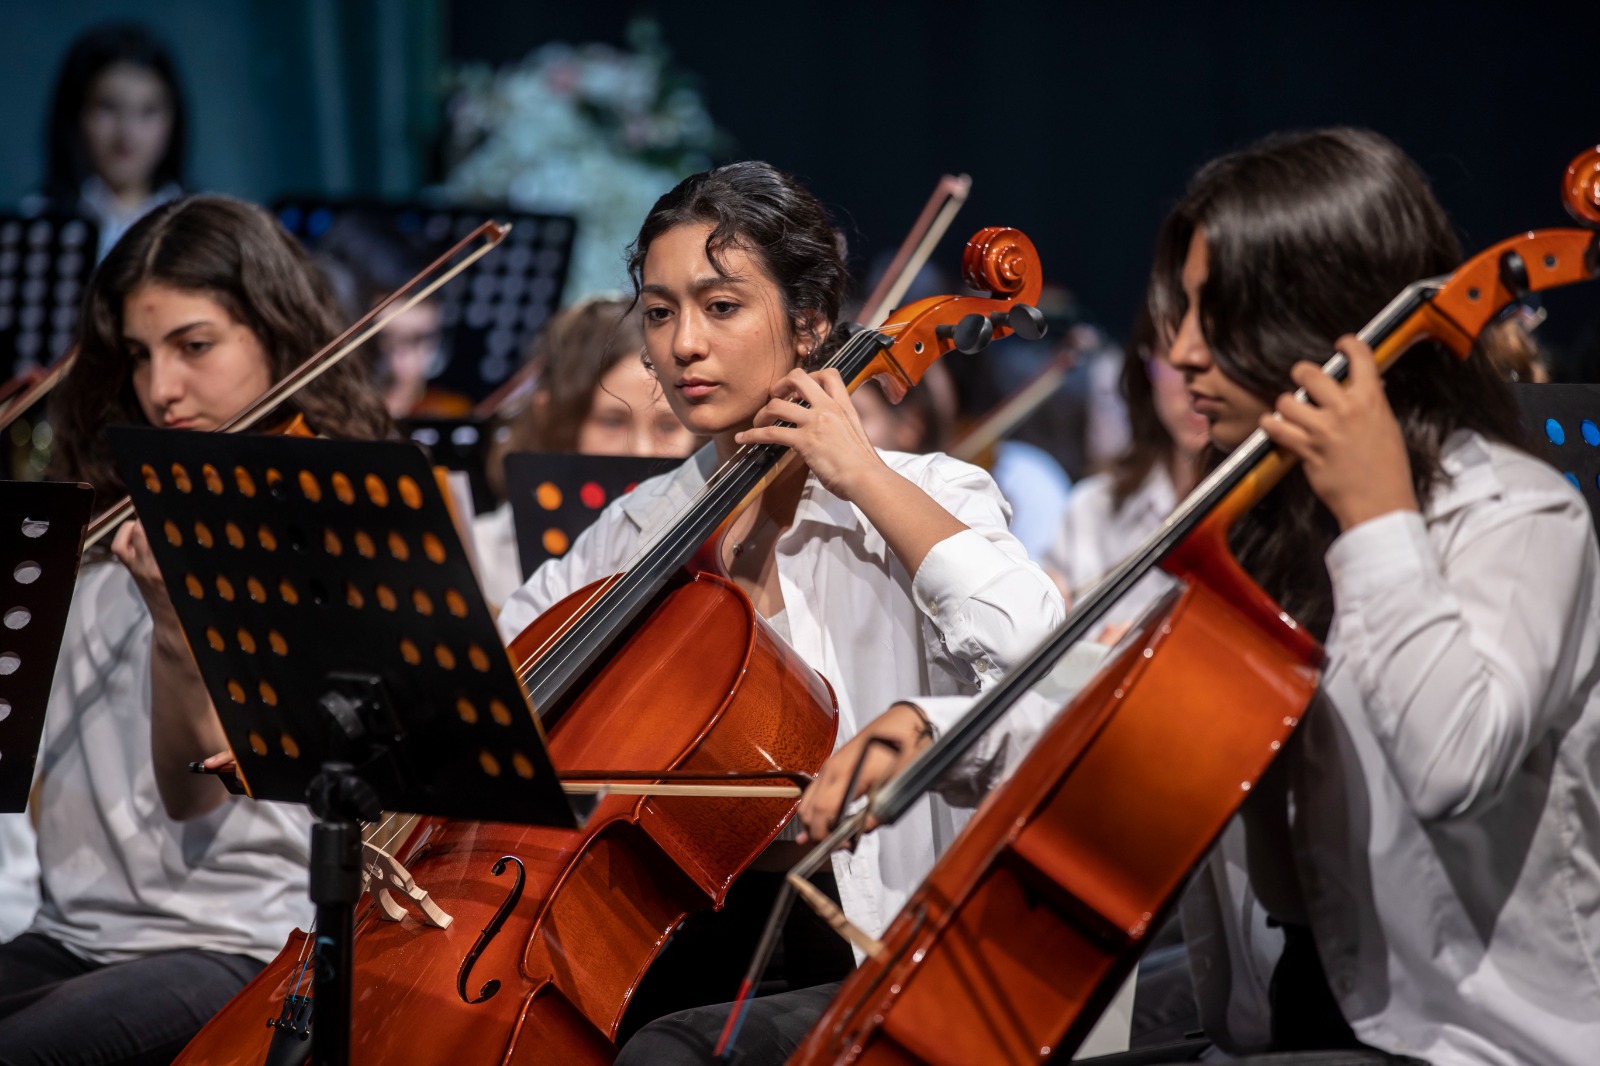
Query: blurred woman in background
pixel 116 134
pixel 595 397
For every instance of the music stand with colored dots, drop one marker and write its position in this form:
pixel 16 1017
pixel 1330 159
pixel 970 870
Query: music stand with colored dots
pixel 45 262
pixel 41 538
pixel 1564 423
pixel 351 659
pixel 557 495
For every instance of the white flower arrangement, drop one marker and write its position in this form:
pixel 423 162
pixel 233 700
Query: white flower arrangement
pixel 586 130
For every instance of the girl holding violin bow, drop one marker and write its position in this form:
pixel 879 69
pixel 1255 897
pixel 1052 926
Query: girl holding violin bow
pixel 1427 841
pixel 162 895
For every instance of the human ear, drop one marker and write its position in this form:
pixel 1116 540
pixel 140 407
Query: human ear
pixel 810 330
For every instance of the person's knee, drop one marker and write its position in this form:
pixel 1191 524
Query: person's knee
pixel 668 1041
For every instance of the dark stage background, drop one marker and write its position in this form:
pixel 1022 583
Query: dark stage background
pixel 1080 123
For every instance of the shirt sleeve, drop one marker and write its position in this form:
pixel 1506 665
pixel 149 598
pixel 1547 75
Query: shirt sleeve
pixel 1462 657
pixel 598 552
pixel 995 755
pixel 989 604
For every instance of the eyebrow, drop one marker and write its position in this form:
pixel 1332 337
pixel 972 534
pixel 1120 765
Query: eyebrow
pixel 173 334
pixel 700 284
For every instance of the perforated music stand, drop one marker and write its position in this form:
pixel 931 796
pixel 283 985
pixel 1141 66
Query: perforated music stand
pixel 41 537
pixel 557 495
pixel 503 301
pixel 1564 420
pixel 350 656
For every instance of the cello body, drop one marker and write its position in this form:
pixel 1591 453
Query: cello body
pixel 720 692
pixel 1031 921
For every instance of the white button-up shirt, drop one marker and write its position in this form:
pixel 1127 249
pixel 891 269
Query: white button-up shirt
pixel 1446 793
pixel 976 605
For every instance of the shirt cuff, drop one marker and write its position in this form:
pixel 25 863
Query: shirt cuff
pixel 1378 555
pixel 953 571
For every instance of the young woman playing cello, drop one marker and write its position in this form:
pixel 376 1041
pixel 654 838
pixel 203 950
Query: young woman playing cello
pixel 147 925
pixel 1429 846
pixel 893 575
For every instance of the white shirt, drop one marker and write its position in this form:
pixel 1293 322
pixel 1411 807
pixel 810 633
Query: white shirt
pixel 121 880
pixel 1446 795
pixel 19 874
pixel 1037 489
pixel 1095 536
pixel 494 538
pixel 97 201
pixel 976 606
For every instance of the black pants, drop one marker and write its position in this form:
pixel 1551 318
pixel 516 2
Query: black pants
pixel 773 1027
pixel 58 1009
pixel 1307 1026
pixel 708 955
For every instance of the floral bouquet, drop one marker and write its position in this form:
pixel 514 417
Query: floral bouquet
pixel 585 130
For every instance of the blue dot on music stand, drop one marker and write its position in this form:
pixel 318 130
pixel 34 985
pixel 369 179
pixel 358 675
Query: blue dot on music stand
pixel 1591 433
pixel 1570 476
pixel 1553 430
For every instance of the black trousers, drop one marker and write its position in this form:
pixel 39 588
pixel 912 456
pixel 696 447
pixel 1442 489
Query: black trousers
pixel 709 954
pixel 58 1009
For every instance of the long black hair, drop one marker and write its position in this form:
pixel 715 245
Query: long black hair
pixel 88 57
pixel 765 212
pixel 1308 235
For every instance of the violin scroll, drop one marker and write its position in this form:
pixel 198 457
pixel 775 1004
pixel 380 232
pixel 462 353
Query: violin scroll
pixel 1581 189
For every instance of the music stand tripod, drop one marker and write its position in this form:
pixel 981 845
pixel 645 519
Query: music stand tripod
pixel 345 645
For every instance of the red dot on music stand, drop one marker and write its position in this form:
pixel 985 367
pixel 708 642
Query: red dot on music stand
pixel 592 495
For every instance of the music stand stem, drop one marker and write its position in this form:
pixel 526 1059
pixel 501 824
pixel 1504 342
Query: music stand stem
pixel 339 798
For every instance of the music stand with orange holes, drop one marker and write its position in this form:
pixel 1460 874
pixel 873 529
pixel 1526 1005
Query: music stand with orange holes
pixel 351 659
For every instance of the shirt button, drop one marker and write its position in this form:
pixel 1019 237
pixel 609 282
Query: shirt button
pixel 981 665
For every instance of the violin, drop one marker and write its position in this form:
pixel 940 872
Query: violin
pixel 663 672
pixel 1030 922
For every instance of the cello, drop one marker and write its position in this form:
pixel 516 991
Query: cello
pixel 1030 922
pixel 571 920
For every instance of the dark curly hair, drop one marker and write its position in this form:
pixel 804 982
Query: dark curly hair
pixel 765 212
pixel 1308 235
pixel 234 253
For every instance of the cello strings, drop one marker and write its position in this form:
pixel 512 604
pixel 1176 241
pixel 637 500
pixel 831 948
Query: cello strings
pixel 614 597
pixel 736 465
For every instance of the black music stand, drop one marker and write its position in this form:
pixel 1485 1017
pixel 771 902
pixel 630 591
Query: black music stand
pixel 557 495
pixel 350 656
pixel 1564 422
pixel 41 537
pixel 501 303
pixel 456 444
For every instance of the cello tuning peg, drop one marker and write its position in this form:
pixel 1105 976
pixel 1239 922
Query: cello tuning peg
pixel 970 336
pixel 1024 320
